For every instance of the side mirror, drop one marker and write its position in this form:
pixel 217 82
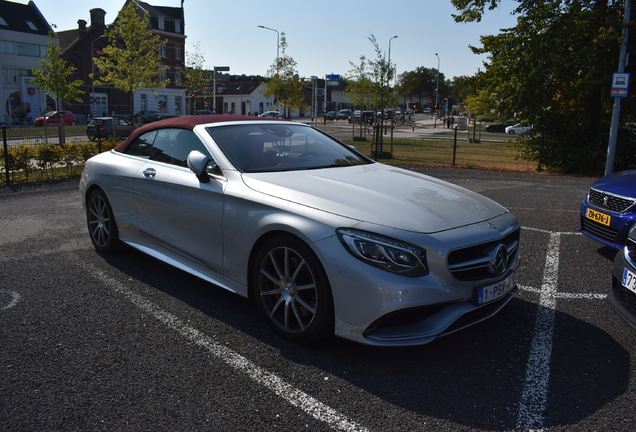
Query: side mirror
pixel 198 164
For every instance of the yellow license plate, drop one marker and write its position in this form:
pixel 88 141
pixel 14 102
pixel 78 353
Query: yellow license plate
pixel 599 217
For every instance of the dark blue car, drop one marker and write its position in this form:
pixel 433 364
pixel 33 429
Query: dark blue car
pixel 609 209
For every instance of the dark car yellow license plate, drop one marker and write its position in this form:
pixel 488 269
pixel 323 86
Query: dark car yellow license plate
pixel 599 217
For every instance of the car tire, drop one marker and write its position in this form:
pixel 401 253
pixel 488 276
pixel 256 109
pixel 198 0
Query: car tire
pixel 292 291
pixel 73 123
pixel 100 219
pixel 511 132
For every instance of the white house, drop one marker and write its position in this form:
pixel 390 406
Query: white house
pixel 23 43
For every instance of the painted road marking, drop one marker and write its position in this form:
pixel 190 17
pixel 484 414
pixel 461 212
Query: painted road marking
pixel 14 299
pixel 294 396
pixel 534 396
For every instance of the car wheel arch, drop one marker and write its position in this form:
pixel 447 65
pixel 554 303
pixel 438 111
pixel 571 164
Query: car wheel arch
pixel 322 324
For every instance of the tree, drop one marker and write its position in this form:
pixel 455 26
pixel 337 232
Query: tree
pixel 195 78
pixel 360 86
pixel 420 82
pixel 553 70
pixel 131 60
pixel 54 78
pixel 283 83
pixel 370 80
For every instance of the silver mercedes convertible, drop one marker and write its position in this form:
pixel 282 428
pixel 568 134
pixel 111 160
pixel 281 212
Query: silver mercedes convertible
pixel 323 239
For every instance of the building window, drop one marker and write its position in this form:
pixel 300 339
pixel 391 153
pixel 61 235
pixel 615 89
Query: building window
pixel 143 103
pixel 177 105
pixel 31 25
pixel 27 49
pixel 163 103
pixel 177 26
pixel 177 77
pixel 163 51
pixel 7 47
pixel 163 75
pixel 177 51
pixel 162 25
pixel 3 22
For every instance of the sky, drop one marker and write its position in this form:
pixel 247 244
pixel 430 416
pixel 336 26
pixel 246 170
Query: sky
pixel 322 37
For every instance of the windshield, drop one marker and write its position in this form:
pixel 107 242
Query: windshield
pixel 282 147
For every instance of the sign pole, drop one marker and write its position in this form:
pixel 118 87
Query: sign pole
pixel 617 85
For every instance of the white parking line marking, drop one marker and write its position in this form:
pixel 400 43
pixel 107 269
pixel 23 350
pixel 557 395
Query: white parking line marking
pixel 15 298
pixel 535 393
pixel 573 296
pixel 296 397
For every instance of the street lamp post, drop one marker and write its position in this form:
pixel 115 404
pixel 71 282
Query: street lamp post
pixel 93 74
pixel 277 39
pixel 389 73
pixel 436 93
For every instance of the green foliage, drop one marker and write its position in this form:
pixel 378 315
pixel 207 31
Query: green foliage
pixel 54 76
pixel 421 82
pixel 131 60
pixel 195 78
pixel 554 71
pixel 369 82
pixel 44 161
pixel 284 82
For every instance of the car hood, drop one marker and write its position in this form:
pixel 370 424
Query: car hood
pixel 621 183
pixel 379 194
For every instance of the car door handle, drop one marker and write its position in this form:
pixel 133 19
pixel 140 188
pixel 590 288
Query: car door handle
pixel 150 173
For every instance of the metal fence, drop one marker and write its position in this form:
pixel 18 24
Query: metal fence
pixel 434 144
pixel 34 152
pixel 41 153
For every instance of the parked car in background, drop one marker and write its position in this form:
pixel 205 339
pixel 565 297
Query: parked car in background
pixel 343 114
pixel 426 111
pixel 609 210
pixel 387 114
pixel 203 112
pixel 322 238
pixel 331 115
pixel 148 116
pixel 51 117
pixel 270 114
pixel 499 127
pixel 518 129
pixel 359 116
pixel 108 128
pixel 622 296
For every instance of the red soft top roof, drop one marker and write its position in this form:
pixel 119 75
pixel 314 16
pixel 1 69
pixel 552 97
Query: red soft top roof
pixel 187 122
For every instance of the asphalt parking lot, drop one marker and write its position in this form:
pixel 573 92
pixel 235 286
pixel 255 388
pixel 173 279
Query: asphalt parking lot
pixel 93 342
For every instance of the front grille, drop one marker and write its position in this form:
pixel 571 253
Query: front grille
pixel 476 263
pixel 627 298
pixel 611 202
pixel 630 251
pixel 599 230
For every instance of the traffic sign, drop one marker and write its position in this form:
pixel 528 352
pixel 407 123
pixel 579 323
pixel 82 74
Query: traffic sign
pixel 620 85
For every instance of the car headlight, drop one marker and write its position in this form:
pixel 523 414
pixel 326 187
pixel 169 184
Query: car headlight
pixel 385 253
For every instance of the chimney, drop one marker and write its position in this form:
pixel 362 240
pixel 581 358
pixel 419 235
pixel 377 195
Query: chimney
pixel 81 25
pixel 97 17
